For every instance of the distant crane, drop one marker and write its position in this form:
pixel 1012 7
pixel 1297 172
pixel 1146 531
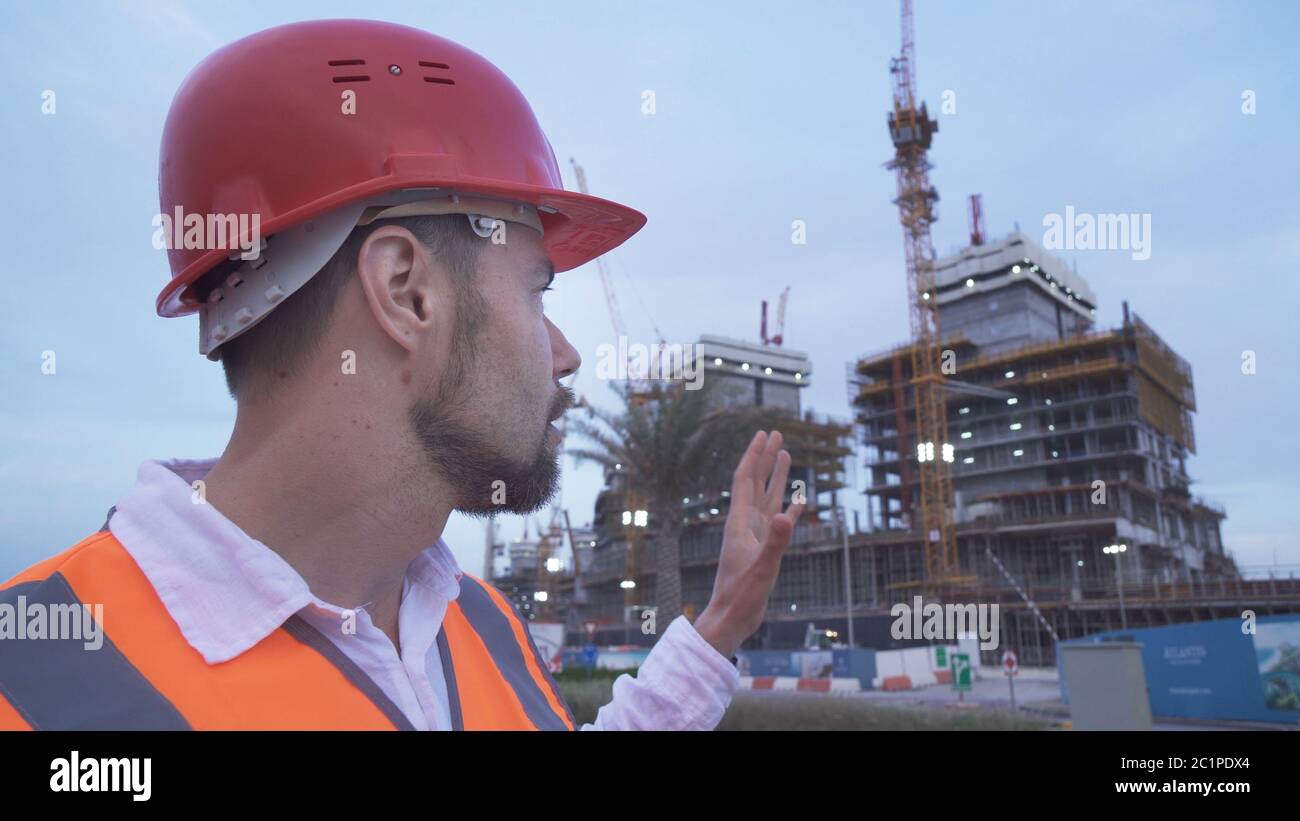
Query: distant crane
pixel 911 130
pixel 615 315
pixel 640 389
pixel 779 337
pixel 976 213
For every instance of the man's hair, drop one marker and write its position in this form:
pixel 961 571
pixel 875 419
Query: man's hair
pixel 279 346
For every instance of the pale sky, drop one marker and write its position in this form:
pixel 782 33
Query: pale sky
pixel 766 113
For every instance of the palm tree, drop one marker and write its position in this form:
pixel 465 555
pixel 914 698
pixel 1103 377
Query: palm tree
pixel 668 444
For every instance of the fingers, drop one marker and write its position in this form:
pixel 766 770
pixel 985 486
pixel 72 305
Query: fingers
pixel 763 469
pixel 776 486
pixel 795 510
pixel 742 482
pixel 778 536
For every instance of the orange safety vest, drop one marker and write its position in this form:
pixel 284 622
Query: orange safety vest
pixel 145 676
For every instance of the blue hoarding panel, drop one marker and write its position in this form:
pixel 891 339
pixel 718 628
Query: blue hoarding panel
pixel 858 664
pixel 1219 669
pixel 766 663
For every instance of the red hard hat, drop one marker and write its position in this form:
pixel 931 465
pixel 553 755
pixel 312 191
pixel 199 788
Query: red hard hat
pixel 259 128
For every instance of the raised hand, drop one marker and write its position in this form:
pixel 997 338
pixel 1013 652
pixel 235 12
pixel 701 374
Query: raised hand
pixel 753 542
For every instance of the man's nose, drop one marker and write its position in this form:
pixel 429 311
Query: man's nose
pixel 565 358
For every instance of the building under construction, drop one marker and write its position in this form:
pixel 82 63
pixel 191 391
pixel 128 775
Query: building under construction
pixel 1070 443
pixel 1073 504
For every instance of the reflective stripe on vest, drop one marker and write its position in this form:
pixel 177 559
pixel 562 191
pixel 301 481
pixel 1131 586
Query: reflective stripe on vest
pixel 59 684
pixel 496 679
pixel 146 675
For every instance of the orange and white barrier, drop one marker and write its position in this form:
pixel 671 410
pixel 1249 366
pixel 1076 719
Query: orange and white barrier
pixel 806 685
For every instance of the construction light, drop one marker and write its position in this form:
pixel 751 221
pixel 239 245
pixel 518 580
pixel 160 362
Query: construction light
pixel 966 434
pixel 627 584
pixel 964 410
pixel 970 283
pixel 925 295
pixel 1016 426
pixel 1015 269
pixel 641 519
pixel 1081 563
pixel 627 518
pixel 1009 374
pixel 798 376
pixel 1017 452
pixel 969 460
pixel 540 595
pixel 767 371
pixel 717 360
pixel 1012 401
pixel 948 453
pixel 553 564
pixel 1047 401
pixel 744 366
pixel 925 451
pixel 713 510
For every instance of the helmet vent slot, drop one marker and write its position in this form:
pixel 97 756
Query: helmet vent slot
pixel 351 78
pixel 440 80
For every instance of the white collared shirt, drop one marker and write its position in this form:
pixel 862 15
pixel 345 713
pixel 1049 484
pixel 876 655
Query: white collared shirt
pixel 228 591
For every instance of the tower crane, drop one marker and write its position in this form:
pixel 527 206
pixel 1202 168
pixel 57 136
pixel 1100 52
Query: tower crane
pixel 911 130
pixel 640 394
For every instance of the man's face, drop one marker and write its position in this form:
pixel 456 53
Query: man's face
pixel 486 425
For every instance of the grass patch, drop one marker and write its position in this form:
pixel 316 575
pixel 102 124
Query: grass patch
pixel 781 711
pixel 794 711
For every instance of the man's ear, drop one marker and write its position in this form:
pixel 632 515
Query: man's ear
pixel 398 282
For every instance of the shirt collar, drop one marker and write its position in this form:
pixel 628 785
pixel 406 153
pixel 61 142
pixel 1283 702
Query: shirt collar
pixel 225 590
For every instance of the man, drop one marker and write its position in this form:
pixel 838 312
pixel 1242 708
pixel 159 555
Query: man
pixel 391 361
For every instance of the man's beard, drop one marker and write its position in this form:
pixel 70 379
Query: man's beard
pixel 487 482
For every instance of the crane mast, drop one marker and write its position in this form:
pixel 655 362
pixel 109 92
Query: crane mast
pixel 911 131
pixel 615 315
